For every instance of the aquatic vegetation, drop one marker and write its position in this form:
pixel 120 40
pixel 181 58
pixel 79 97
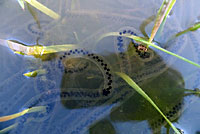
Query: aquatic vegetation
pixel 161 17
pixel 141 92
pixel 6 130
pixel 29 110
pixel 14 116
pixel 40 7
pixel 36 50
pixel 145 41
pixel 190 29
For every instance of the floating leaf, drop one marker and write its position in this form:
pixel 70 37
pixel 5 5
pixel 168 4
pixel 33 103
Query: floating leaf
pixel 144 41
pixel 141 92
pixel 162 14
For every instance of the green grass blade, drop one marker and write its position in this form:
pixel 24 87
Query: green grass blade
pixel 162 14
pixel 6 130
pixel 193 28
pixel 144 41
pixel 141 92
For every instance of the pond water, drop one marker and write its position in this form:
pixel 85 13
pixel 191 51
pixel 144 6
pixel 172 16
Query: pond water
pixel 81 91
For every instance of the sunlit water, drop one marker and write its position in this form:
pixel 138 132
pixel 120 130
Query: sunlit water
pixel 72 88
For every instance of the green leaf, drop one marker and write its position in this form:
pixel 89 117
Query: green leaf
pixel 144 41
pixel 161 17
pixel 141 92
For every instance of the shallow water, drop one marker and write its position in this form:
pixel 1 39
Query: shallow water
pixel 72 88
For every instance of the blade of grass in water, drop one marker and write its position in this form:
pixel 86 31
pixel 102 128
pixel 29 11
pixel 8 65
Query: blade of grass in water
pixel 40 7
pixel 144 41
pixel 13 116
pixel 6 130
pixel 141 92
pixel 29 110
pixel 193 28
pixel 36 49
pixel 161 16
pixel 34 14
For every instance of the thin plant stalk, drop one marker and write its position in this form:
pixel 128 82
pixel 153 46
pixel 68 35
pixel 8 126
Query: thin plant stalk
pixel 163 12
pixel 193 28
pixel 141 92
pixel 6 130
